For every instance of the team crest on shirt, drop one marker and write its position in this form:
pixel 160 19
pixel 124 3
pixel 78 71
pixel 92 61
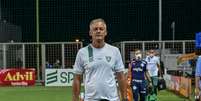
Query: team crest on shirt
pixel 108 58
pixel 134 87
pixel 142 65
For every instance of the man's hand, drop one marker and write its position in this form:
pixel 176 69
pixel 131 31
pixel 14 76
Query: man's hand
pixel 160 77
pixel 150 85
pixel 129 82
pixel 76 87
pixel 197 92
pixel 122 83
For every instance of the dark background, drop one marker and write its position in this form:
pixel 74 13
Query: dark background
pixel 66 20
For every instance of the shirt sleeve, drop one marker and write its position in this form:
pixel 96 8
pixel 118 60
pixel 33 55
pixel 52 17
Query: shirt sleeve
pixel 145 65
pixel 146 59
pixel 119 66
pixel 198 65
pixel 78 67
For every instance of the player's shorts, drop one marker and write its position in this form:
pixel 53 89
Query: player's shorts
pixel 154 80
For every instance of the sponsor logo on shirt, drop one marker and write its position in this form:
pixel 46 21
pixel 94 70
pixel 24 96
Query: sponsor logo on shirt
pixel 137 69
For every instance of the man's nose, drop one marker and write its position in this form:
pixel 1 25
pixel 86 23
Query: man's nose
pixel 98 30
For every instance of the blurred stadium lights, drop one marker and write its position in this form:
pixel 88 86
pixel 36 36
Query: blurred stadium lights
pixel 77 40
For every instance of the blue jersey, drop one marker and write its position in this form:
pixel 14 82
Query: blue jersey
pixel 138 69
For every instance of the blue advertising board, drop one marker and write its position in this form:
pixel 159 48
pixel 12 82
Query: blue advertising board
pixel 198 40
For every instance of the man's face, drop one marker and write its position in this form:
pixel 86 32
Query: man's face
pixel 138 54
pixel 98 31
pixel 152 53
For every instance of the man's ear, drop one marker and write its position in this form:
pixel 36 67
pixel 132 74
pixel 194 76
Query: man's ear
pixel 106 33
pixel 90 34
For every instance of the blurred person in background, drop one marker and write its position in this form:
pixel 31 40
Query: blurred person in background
pixel 48 65
pixel 57 64
pixel 137 71
pixel 153 66
pixel 98 62
pixel 161 64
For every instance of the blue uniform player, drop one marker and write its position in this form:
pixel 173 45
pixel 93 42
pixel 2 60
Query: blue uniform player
pixel 138 72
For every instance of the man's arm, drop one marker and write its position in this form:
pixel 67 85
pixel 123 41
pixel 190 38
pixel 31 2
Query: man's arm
pixel 129 74
pixel 197 79
pixel 148 78
pixel 122 84
pixel 76 86
pixel 159 70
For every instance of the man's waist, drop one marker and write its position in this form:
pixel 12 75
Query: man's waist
pixel 138 80
pixel 98 90
pixel 152 68
pixel 153 73
pixel 142 77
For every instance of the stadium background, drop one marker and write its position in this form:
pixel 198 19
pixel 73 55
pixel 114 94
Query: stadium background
pixel 66 20
pixel 127 19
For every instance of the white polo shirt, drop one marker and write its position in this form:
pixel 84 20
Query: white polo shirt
pixel 152 65
pixel 99 75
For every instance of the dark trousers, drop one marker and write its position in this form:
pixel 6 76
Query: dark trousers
pixel 104 100
pixel 154 80
pixel 139 89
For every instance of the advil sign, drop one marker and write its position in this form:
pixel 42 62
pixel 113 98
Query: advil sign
pixel 16 77
pixel 23 77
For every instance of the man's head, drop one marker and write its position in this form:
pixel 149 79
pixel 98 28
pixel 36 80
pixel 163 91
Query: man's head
pixel 151 52
pixel 138 54
pixel 98 29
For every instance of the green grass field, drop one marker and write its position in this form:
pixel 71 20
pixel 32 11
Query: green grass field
pixel 40 93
